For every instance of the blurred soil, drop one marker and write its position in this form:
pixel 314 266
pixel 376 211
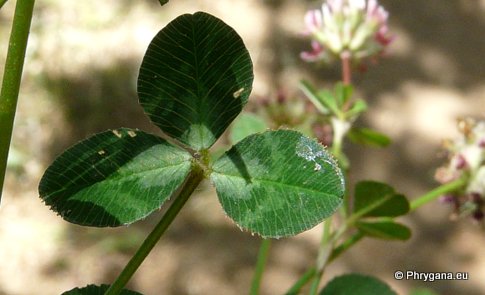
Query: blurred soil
pixel 80 78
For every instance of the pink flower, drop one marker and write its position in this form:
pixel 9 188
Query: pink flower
pixel 313 21
pixel 316 54
pixel 355 28
pixel 467 160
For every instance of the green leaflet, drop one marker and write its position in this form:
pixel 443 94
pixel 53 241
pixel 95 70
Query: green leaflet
pixel 369 137
pixel 278 183
pixel 384 229
pixel 114 178
pixel 375 199
pixel 245 125
pixel 356 284
pixel 375 205
pixel 195 78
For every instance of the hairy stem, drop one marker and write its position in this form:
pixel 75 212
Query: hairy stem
pixel 183 195
pixel 11 78
pixel 437 192
pixel 260 265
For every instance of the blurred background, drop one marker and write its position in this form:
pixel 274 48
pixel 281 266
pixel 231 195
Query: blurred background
pixel 80 78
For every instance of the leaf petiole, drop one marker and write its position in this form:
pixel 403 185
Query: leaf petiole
pixel 304 279
pixel 195 177
pixel 437 192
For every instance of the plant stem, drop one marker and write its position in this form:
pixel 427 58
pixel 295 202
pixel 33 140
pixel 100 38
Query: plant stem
pixel 11 78
pixel 327 243
pixel 336 252
pixel 316 282
pixel 328 237
pixel 437 192
pixel 304 279
pixel 326 247
pixel 352 240
pixel 260 265
pixel 184 193
pixel 340 127
pixel 346 69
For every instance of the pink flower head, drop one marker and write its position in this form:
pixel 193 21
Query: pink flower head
pixel 352 27
pixel 467 161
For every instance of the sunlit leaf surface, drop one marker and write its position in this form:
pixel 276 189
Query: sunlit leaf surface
pixel 278 183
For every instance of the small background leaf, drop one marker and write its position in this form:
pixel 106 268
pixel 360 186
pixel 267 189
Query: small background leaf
pixel 245 125
pixel 163 2
pixel 195 78
pixel 369 137
pixel 114 178
pixel 359 106
pixel 96 290
pixel 343 93
pixel 312 95
pixel 388 230
pixel 379 200
pixel 329 100
pixel 278 183
pixel 356 284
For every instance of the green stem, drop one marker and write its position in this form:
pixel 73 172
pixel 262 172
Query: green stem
pixel 302 281
pixel 316 282
pixel 327 231
pixel 340 128
pixel 357 215
pixel 312 272
pixel 260 265
pixel 437 192
pixel 338 138
pixel 326 247
pixel 328 237
pixel 12 76
pixel 418 202
pixel 183 195
pixel 352 240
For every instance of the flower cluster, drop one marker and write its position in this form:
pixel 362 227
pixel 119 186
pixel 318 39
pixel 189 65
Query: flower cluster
pixel 467 160
pixel 354 29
